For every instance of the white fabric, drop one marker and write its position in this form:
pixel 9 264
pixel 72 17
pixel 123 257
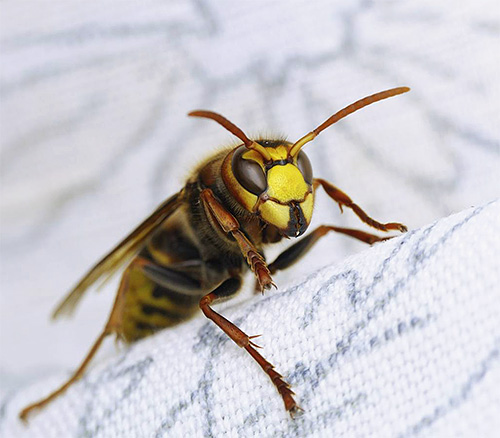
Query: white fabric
pixel 94 136
pixel 400 340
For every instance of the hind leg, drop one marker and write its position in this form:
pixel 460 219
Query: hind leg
pixel 113 326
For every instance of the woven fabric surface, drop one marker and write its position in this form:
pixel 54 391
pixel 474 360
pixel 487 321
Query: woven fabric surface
pixel 94 135
pixel 400 340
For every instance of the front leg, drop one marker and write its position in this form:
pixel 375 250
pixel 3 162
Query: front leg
pixel 231 226
pixel 344 200
pixel 292 254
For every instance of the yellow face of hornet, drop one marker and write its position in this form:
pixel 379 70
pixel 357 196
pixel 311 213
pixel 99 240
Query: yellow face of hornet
pixel 273 178
pixel 277 188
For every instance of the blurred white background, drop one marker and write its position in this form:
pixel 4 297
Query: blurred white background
pixel 94 132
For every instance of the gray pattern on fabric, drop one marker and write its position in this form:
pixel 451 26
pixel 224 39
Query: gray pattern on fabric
pixel 392 316
pixel 399 340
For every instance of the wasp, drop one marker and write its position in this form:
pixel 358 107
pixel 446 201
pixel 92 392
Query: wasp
pixel 194 249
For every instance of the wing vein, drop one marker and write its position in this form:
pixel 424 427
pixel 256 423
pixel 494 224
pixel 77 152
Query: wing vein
pixel 119 255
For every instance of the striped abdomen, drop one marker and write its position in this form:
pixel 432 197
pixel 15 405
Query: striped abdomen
pixel 155 299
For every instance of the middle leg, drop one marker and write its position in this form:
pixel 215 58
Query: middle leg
pixel 226 289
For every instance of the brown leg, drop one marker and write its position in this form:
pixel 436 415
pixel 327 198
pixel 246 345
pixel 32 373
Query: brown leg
pixel 296 251
pixel 229 287
pixel 112 326
pixel 343 200
pixel 230 225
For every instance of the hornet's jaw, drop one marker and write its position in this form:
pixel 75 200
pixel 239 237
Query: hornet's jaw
pixel 297 225
pixel 292 219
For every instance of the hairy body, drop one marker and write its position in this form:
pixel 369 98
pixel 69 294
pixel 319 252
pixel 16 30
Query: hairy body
pixel 194 249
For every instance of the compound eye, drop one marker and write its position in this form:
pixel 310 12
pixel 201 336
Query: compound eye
pixel 305 167
pixel 248 173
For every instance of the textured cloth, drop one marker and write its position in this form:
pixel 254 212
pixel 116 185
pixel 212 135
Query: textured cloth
pixel 400 340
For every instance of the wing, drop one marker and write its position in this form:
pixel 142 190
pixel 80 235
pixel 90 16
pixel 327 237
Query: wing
pixel 119 255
